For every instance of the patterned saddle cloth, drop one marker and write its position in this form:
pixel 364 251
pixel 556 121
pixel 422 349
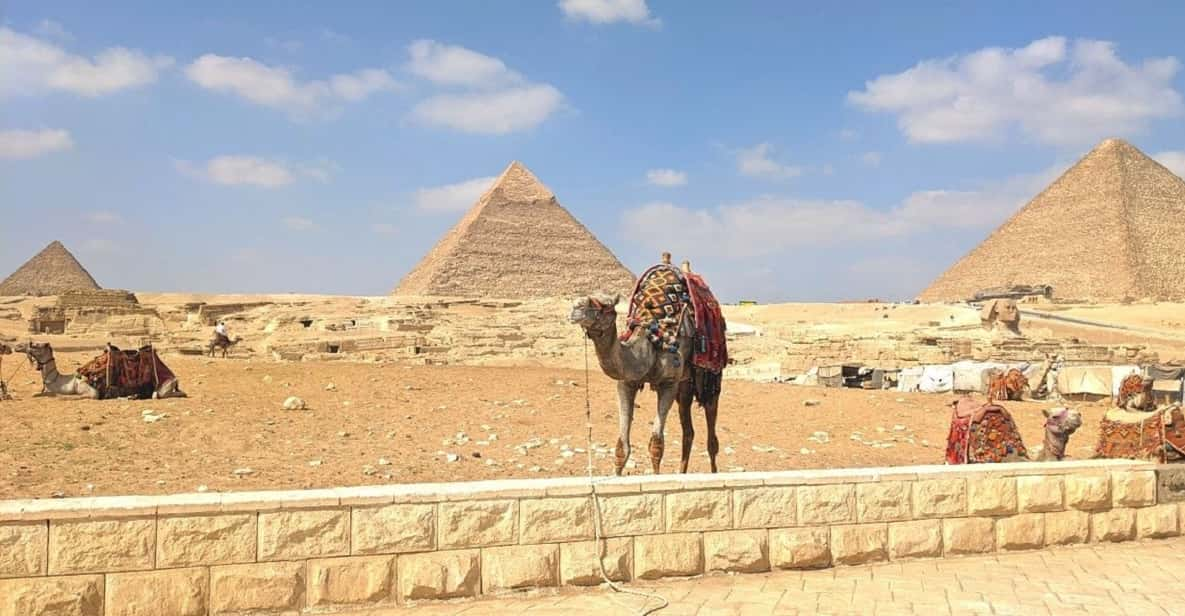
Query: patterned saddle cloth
pixel 1141 436
pixel 657 308
pixel 135 374
pixel 982 432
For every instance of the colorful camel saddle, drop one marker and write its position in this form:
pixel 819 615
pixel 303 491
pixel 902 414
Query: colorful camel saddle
pixel 662 297
pixel 982 432
pixel 132 374
pixel 1142 436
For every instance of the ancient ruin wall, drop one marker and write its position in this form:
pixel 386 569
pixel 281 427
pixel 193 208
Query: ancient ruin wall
pixel 337 549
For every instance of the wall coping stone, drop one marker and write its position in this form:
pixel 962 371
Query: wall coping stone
pixel 98 507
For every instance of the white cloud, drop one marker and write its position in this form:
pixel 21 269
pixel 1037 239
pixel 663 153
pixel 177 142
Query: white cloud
pixel 452 197
pixel 491 113
pixel 25 144
pixel 756 162
pixel 321 171
pixel 48 28
pixel 1173 160
pixel 1051 90
pixel 458 66
pixel 31 66
pixel 773 225
pixel 296 223
pixel 666 177
pixel 610 11
pixel 103 217
pixel 384 228
pixel 240 171
pixel 872 159
pixel 493 100
pixel 277 87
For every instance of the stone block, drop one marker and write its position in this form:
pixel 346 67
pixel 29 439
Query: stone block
pixel 1067 527
pixel 519 566
pixel 800 548
pixel 920 539
pixel 698 510
pixel 991 496
pixel 1133 488
pixel 23 549
pixel 578 561
pixel 101 546
pixel 289 535
pixel 357 580
pixel 1020 532
pixel 827 504
pixel 1039 494
pixel 858 545
pixel 1157 522
pixel 631 514
pixel 190 541
pixel 1088 492
pixel 1113 525
pixel 1170 485
pixel 470 524
pixel 938 498
pixel 176 592
pixel 393 529
pixel 740 551
pixel 76 595
pixel 967 536
pixel 439 575
pixel 883 501
pixel 763 507
pixel 263 588
pixel 550 520
pixel 673 555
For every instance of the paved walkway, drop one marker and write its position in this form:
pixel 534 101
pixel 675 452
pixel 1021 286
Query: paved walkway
pixel 1127 579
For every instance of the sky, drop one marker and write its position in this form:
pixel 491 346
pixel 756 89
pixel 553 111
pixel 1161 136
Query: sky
pixel 791 151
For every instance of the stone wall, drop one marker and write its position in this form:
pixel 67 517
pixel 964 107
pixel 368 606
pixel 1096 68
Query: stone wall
pixel 336 549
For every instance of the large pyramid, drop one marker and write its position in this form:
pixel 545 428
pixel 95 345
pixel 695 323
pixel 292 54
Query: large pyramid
pixel 517 242
pixel 50 272
pixel 1111 227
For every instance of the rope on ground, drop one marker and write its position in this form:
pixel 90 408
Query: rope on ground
pixel 602 545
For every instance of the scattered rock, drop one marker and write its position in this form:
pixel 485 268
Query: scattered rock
pixel 267 378
pixel 452 457
pixel 58 494
pixel 330 387
pixel 202 488
pixel 811 403
pixel 728 451
pixel 293 403
pixel 806 452
pixel 243 472
pixel 384 462
pixel 899 428
pixel 343 434
pixel 368 470
pixel 764 448
pixel 84 427
pixel 314 463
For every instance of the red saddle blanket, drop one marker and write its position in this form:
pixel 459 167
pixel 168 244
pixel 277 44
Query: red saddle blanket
pixel 982 432
pixel 117 373
pixel 1141 436
pixel 661 298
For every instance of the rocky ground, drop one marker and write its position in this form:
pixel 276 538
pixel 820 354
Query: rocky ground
pixel 385 423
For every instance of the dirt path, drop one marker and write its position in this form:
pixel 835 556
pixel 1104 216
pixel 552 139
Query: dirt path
pixel 399 424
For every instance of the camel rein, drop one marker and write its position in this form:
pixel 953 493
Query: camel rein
pixel 602 545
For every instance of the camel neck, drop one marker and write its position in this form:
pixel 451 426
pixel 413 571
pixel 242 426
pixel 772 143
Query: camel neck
pixel 49 371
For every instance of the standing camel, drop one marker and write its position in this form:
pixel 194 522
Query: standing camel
pixel 637 361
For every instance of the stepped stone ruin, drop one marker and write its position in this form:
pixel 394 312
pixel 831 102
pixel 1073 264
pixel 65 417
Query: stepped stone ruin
pixel 52 271
pixel 1109 229
pixel 517 242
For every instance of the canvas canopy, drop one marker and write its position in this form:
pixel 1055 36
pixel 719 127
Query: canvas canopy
pixel 936 379
pixel 1095 380
pixel 909 378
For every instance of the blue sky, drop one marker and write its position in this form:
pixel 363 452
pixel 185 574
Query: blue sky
pixel 792 152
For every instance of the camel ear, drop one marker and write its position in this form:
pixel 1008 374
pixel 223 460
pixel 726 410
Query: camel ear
pixel 617 299
pixel 1046 413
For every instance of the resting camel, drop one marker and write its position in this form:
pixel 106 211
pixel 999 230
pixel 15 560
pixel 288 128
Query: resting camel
pixel 223 344
pixel 985 432
pixel 1010 385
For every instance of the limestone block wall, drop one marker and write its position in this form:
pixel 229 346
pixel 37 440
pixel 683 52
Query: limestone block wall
pixel 336 549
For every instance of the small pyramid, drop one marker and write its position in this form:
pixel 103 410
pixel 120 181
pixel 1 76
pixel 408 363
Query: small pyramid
pixel 50 272
pixel 1109 228
pixel 517 242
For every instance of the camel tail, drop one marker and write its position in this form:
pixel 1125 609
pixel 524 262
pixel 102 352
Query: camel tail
pixel 707 385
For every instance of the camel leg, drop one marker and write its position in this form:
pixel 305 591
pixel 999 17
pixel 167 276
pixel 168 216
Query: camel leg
pixel 666 397
pixel 684 400
pixel 626 394
pixel 713 444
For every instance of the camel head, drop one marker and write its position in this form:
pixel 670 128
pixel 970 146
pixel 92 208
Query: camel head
pixel 1062 420
pixel 37 352
pixel 595 313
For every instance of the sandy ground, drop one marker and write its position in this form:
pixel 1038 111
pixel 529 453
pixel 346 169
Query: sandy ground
pixel 374 423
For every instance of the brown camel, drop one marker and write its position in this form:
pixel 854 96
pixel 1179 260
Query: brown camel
pixel 222 343
pixel 637 361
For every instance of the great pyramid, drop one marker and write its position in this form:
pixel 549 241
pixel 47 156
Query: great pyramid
pixel 50 272
pixel 1111 227
pixel 517 242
